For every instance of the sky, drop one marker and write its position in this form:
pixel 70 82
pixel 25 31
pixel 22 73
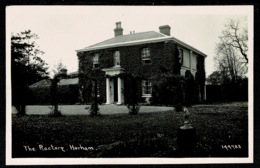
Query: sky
pixel 64 29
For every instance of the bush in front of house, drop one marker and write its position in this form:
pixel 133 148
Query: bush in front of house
pixel 189 89
pixel 69 94
pixel 167 90
pixel 132 92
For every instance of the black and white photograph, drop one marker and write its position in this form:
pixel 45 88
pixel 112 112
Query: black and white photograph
pixel 129 84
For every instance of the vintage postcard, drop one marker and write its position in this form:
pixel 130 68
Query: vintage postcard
pixel 99 85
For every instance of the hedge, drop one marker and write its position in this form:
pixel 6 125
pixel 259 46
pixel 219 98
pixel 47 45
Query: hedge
pixel 68 94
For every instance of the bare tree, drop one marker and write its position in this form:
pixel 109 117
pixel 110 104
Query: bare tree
pixel 231 52
pixel 235 37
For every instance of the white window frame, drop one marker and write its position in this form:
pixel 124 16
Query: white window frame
pixel 146 56
pixel 116 58
pixel 96 61
pixel 146 88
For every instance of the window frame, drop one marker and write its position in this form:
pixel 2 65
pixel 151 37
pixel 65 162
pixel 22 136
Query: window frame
pixel 117 58
pixel 146 88
pixel 146 55
pixel 96 61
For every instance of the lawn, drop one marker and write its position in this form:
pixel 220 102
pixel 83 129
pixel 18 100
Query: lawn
pixel 222 131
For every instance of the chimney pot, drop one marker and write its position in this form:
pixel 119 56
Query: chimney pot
pixel 118 30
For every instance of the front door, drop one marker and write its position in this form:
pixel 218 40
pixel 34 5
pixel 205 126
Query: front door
pixel 115 90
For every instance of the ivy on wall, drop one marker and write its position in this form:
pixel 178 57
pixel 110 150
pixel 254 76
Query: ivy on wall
pixel 164 59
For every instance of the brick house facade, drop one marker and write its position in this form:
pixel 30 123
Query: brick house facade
pixel 141 54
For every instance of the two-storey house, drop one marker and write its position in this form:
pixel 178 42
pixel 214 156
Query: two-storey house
pixel 141 53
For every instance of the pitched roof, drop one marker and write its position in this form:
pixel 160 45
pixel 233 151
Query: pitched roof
pixel 69 81
pixel 42 83
pixel 130 37
pixel 135 39
pixel 47 82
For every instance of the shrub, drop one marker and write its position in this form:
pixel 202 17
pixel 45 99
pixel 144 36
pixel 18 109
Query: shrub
pixel 54 113
pixel 167 90
pixel 21 99
pixel 93 111
pixel 189 88
pixel 131 93
pixel 40 95
pixel 133 108
pixel 68 94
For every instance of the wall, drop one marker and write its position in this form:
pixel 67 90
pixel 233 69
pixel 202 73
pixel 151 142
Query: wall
pixel 164 59
pixel 189 61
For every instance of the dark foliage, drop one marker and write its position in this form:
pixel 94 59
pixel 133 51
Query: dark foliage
pixel 27 67
pixel 227 89
pixel 189 89
pixel 94 109
pixel 22 98
pixel 215 78
pixel 55 96
pixel 235 91
pixel 167 89
pixel 131 93
pixel 69 94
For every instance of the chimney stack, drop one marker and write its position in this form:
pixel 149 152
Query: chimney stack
pixel 118 30
pixel 166 29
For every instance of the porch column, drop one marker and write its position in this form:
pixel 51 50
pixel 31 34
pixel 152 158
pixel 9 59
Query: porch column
pixel 119 90
pixel 107 91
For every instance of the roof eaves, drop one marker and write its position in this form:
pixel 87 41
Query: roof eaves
pixel 188 46
pixel 152 40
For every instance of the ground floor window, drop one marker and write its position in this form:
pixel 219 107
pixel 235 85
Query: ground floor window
pixel 146 88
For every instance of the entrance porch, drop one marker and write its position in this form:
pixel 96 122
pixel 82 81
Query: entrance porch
pixel 114 85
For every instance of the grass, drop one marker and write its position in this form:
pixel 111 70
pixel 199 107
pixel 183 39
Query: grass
pixel 142 135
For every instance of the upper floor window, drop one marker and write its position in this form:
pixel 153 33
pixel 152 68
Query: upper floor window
pixel 116 58
pixel 96 61
pixel 194 61
pixel 181 56
pixel 146 88
pixel 146 57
